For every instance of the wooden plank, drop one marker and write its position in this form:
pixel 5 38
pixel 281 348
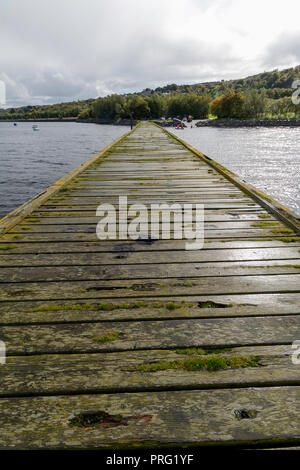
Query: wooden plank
pixel 9 258
pixel 87 182
pixel 89 271
pixel 119 372
pixel 146 192
pixel 45 210
pixel 96 200
pixel 62 205
pixel 20 305
pixel 223 235
pixel 87 337
pixel 206 416
pixel 44 218
pixel 230 285
pixel 8 246
pixel 236 225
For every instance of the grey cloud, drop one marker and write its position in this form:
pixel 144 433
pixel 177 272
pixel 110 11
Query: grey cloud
pixel 76 49
pixel 283 51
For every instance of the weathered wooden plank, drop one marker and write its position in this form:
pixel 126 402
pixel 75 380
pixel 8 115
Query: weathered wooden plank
pixel 122 336
pixel 9 258
pixel 61 205
pixel 89 211
pixel 177 173
pixel 119 372
pixel 89 271
pixel 223 235
pixel 93 310
pixel 238 212
pixel 158 164
pixel 168 418
pixel 180 198
pixel 197 178
pixel 160 181
pixel 208 226
pixel 208 183
pixel 8 247
pixel 150 192
pixel 230 285
pixel 46 218
pixel 20 305
pixel 145 166
pixel 217 271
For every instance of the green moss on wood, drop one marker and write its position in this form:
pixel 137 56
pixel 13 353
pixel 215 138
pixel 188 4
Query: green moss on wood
pixel 296 266
pixel 289 239
pixel 7 247
pixel 213 363
pixel 264 224
pixel 281 239
pixel 172 306
pixel 202 351
pixel 282 230
pixel 109 336
pixel 111 306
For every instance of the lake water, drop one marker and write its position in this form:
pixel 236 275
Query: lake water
pixel 33 160
pixel 30 161
pixel 269 158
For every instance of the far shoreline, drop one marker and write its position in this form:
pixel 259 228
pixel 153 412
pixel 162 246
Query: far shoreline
pixel 231 123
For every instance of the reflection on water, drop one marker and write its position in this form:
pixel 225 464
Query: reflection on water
pixel 31 161
pixel 269 158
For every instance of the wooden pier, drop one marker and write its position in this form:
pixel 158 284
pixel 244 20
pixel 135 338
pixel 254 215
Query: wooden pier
pixel 141 343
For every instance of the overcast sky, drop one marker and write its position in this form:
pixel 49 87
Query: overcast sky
pixel 61 50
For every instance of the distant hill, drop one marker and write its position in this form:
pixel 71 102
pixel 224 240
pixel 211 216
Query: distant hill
pixel 52 111
pixel 277 84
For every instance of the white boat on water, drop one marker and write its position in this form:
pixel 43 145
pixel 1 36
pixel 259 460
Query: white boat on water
pixel 35 127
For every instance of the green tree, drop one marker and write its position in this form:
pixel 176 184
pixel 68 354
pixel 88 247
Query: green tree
pixel 156 105
pixel 138 107
pixel 255 103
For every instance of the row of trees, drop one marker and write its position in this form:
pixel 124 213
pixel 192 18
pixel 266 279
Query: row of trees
pixel 152 107
pixel 229 104
pixel 53 111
